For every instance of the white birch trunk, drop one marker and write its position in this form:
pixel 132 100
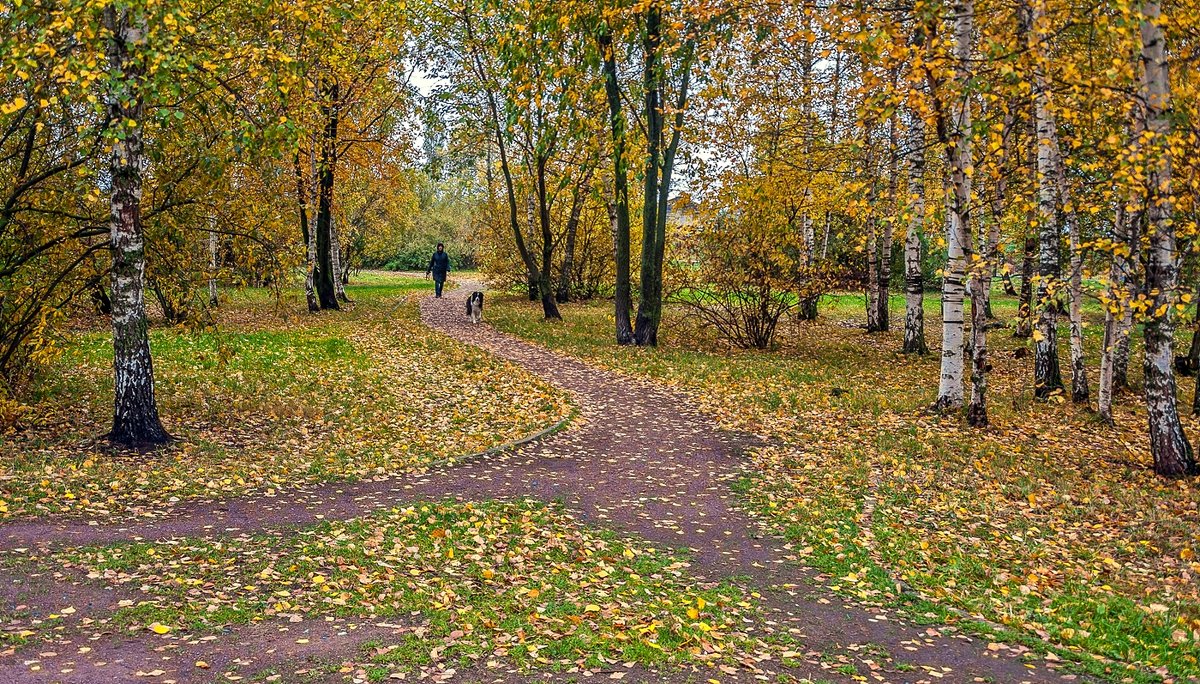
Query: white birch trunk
pixel 1114 316
pixel 914 284
pixel 1079 381
pixel 212 264
pixel 825 236
pixel 1169 446
pixel 335 256
pixel 135 412
pixel 950 389
pixel 310 262
pixel 1047 376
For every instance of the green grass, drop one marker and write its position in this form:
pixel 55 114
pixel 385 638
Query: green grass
pixel 270 397
pixel 520 580
pixel 1048 522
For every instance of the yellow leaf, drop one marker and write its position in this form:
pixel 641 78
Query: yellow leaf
pixel 13 106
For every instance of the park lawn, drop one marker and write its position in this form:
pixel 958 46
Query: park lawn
pixel 1048 521
pixel 521 582
pixel 269 397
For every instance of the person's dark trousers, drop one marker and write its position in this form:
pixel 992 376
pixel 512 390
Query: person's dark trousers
pixel 437 286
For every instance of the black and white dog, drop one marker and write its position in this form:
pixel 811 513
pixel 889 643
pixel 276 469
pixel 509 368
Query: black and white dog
pixel 475 306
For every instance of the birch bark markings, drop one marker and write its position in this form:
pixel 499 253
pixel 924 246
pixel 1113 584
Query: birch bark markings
pixel 958 236
pixel 1169 446
pixel 1047 376
pixel 135 413
pixel 914 282
pixel 212 264
pixel 1079 382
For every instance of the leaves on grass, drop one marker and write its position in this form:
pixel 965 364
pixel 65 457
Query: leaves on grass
pixel 526 582
pixel 268 404
pixel 1049 521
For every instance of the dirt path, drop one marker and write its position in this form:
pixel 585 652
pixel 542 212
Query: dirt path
pixel 639 459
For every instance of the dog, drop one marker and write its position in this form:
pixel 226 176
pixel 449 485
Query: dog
pixel 475 306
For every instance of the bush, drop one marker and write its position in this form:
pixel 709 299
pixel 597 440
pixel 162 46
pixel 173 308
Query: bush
pixel 742 275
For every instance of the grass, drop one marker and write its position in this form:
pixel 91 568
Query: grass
pixel 520 581
pixel 1047 522
pixel 269 398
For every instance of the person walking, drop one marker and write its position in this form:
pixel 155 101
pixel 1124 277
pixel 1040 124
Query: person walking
pixel 439 266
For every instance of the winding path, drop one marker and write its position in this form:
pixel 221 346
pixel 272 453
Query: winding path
pixel 639 459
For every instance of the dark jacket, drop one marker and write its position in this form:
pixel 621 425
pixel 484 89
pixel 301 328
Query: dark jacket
pixel 439 265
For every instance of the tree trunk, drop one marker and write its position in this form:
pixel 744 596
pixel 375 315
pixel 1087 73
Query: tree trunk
pixel 1024 327
pixel 991 247
pixel 324 276
pixel 212 264
pixel 545 289
pixel 950 389
pixel 1172 453
pixel 1009 288
pixel 1047 376
pixel 1115 330
pixel 310 237
pixel 568 266
pixel 886 239
pixel 825 238
pixel 135 412
pixel 914 281
pixel 619 208
pixel 660 163
pixel 874 325
pixel 649 312
pixel 335 258
pixel 1079 381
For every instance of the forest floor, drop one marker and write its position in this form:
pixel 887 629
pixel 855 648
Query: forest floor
pixel 706 515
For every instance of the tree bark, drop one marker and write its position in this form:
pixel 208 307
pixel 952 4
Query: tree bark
pixel 545 290
pixel 649 312
pixel 568 266
pixel 1024 327
pixel 950 390
pixel 212 264
pixel 324 275
pixel 886 238
pixel 310 237
pixel 135 412
pixel 1115 328
pixel 660 163
pixel 1079 381
pixel 1047 376
pixel 619 208
pixel 964 30
pixel 335 259
pixel 991 247
pixel 914 280
pixel 874 325
pixel 1169 446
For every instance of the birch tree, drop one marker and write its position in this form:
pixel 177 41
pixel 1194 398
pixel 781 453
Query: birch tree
pixel 1047 376
pixel 1169 446
pixel 956 138
pixel 135 411
pixel 914 281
